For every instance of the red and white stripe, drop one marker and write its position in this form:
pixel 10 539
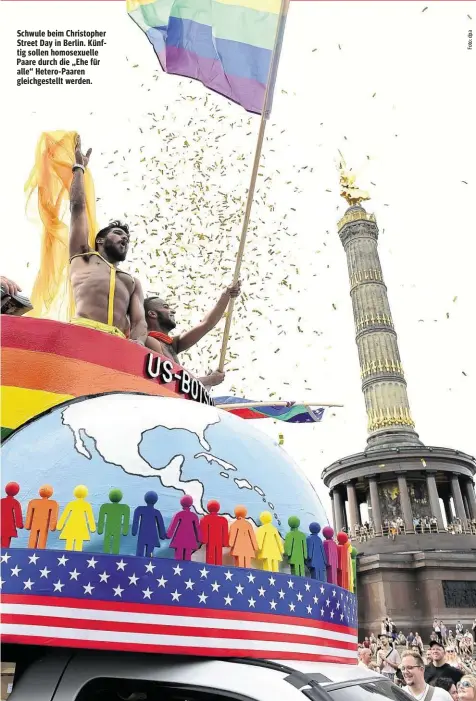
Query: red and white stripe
pixel 44 620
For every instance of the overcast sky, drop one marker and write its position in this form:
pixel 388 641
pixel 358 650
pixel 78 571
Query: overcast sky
pixel 388 84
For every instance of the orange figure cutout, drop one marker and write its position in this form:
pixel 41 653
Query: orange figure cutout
pixel 270 543
pixel 77 520
pixel 242 539
pixel 343 560
pixel 11 516
pixel 41 517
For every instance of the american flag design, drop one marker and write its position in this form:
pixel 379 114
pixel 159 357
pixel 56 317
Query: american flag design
pixel 115 602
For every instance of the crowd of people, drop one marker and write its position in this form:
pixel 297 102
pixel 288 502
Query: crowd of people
pixel 443 671
pixel 395 527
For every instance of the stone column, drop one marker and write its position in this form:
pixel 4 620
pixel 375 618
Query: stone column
pixel 375 504
pixel 434 500
pixel 405 502
pixel 458 500
pixel 470 495
pixel 331 494
pixel 448 512
pixel 354 514
pixel 338 510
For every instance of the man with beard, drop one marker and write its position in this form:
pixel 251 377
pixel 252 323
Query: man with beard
pixel 438 666
pixel 388 659
pixel 160 320
pixel 107 299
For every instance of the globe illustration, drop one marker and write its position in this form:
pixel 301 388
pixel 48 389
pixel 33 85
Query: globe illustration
pixel 138 443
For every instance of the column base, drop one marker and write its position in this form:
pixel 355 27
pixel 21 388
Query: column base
pixel 392 438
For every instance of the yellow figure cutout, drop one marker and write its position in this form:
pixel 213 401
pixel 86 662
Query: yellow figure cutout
pixel 351 571
pixel 77 520
pixel 270 544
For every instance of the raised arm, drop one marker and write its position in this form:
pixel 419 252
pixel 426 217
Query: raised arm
pixel 78 235
pixel 190 338
pixel 137 315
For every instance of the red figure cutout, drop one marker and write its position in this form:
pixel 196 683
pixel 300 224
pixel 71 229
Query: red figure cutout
pixel 343 561
pixel 41 517
pixel 242 539
pixel 214 533
pixel 330 548
pixel 11 514
pixel 184 531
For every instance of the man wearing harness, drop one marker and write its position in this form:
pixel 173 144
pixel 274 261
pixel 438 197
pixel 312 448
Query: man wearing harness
pixel 107 299
pixel 161 320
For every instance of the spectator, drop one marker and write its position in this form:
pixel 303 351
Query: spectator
pixel 418 642
pixel 366 643
pixel 365 659
pixel 448 685
pixel 388 659
pixel 413 669
pixel 438 666
pixel 467 688
pixel 410 639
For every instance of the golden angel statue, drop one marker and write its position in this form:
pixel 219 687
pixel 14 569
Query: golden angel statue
pixel 349 190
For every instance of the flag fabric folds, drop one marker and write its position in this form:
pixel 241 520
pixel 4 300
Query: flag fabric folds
pixel 225 44
pixel 291 413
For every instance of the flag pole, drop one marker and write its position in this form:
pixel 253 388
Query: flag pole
pixel 254 172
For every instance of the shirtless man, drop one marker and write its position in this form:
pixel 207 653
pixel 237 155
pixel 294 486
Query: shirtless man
pixel 107 299
pixel 161 320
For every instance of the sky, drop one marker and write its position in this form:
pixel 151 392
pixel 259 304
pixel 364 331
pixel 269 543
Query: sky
pixel 390 84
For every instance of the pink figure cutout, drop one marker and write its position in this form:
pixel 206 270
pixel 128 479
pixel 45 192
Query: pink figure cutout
pixel 184 531
pixel 214 533
pixel 332 556
pixel 11 516
pixel 343 561
pixel 242 539
pixel 41 517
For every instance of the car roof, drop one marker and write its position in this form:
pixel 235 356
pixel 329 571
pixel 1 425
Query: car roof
pixel 333 673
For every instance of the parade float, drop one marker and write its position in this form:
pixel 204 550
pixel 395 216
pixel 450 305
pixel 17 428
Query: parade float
pixel 139 516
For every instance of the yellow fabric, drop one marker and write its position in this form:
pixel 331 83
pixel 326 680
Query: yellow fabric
pixel 97 326
pixel 112 283
pixel 51 178
pixel 112 289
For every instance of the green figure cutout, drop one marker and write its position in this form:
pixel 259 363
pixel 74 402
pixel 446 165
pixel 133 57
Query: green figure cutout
pixel 353 554
pixel 295 547
pixel 113 518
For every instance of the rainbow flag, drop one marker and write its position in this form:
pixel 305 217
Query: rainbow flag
pixel 291 413
pixel 225 44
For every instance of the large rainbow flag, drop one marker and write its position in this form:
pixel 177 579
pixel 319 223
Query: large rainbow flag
pixel 225 44
pixel 291 413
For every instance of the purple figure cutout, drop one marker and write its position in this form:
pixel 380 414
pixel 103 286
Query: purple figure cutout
pixel 316 556
pixel 330 549
pixel 184 531
pixel 150 524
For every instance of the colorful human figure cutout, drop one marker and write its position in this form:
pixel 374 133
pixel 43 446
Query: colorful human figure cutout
pixel 332 555
pixel 343 560
pixel 41 517
pixel 11 516
pixel 295 547
pixel 350 577
pixel 114 519
pixel 184 531
pixel 214 533
pixel 242 539
pixel 316 555
pixel 353 555
pixel 77 520
pixel 270 544
pixel 148 525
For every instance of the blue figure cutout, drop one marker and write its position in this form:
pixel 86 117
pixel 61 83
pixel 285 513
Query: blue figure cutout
pixel 316 556
pixel 150 525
